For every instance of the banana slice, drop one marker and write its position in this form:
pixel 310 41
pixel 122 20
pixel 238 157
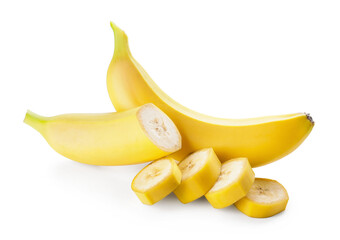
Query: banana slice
pixel 200 171
pixel 157 180
pixel 265 198
pixel 234 182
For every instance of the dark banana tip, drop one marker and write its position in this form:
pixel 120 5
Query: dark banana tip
pixel 309 117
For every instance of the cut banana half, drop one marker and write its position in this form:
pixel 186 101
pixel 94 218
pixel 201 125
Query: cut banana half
pixel 156 180
pixel 200 171
pixel 134 136
pixel 265 198
pixel 234 182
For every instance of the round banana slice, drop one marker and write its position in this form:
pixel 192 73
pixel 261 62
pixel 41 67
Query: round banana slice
pixel 200 171
pixel 157 180
pixel 234 182
pixel 265 198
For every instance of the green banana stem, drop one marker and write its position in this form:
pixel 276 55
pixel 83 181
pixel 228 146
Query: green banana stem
pixel 121 42
pixel 35 121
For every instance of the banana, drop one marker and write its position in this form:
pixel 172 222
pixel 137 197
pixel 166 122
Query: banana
pixel 200 171
pixel 234 182
pixel 265 198
pixel 156 180
pixel 135 136
pixel 262 140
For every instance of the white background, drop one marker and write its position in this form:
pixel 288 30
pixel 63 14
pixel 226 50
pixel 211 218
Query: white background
pixel 231 59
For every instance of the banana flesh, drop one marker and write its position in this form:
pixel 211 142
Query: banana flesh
pixel 138 135
pixel 265 198
pixel 200 171
pixel 261 140
pixel 234 182
pixel 156 180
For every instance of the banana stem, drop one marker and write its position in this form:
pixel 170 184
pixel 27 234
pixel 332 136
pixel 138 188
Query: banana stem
pixel 35 121
pixel 121 42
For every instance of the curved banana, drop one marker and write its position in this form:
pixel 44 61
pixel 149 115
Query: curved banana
pixel 261 140
pixel 135 136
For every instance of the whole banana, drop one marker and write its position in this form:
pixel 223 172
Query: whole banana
pixel 261 140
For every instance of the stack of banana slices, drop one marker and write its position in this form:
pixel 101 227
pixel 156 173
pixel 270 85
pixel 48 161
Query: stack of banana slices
pixel 191 154
pixel 202 174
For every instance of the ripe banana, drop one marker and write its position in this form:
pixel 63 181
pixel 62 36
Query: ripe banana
pixel 200 171
pixel 234 182
pixel 262 140
pixel 156 181
pixel 135 136
pixel 265 198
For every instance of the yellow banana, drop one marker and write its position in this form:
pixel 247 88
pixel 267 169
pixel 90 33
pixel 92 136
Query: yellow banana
pixel 261 140
pixel 234 182
pixel 265 198
pixel 135 136
pixel 200 170
pixel 156 180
